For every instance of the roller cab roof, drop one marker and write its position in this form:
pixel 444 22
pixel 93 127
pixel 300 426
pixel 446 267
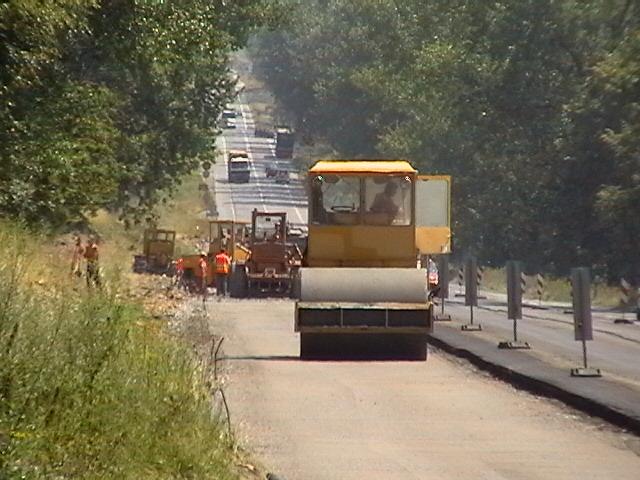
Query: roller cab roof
pixel 357 167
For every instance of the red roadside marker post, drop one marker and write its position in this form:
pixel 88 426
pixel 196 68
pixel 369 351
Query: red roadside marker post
pixel 443 281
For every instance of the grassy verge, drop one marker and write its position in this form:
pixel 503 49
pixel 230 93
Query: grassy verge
pixel 556 289
pixel 90 385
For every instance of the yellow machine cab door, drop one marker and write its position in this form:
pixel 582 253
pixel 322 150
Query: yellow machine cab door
pixel 433 214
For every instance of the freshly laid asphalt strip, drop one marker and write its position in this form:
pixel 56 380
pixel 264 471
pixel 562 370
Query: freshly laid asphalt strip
pixel 599 397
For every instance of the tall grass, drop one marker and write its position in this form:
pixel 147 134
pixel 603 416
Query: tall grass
pixel 555 288
pixel 88 387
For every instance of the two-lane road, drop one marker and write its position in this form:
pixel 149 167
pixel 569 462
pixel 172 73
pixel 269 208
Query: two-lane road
pixel 235 201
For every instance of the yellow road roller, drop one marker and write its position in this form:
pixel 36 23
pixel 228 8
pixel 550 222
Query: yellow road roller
pixel 362 290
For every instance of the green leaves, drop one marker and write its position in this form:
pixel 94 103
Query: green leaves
pixel 109 103
pixel 532 105
pixel 64 145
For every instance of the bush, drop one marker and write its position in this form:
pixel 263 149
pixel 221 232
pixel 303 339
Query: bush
pixel 89 386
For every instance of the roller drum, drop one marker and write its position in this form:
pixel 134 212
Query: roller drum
pixel 363 285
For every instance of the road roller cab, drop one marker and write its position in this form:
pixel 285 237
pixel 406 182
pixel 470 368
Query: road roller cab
pixel 370 223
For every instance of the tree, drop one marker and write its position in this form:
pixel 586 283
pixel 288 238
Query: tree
pixel 530 105
pixel 108 103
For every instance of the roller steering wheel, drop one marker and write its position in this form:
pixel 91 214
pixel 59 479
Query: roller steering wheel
pixel 343 208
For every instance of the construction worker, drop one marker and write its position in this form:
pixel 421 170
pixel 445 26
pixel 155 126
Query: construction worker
pixel 203 267
pixel 223 267
pixel 179 280
pixel 383 201
pixel 76 261
pixel 93 267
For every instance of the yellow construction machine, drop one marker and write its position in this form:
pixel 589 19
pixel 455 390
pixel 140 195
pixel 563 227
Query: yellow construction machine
pixel 272 262
pixel 158 248
pixel 362 288
pixel 228 234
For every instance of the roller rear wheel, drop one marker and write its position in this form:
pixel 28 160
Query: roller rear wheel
pixel 318 346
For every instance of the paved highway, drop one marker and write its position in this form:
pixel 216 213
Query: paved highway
pixel 615 348
pixel 235 201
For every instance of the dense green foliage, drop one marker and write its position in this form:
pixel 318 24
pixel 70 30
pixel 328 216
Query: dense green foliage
pixel 90 386
pixel 532 105
pixel 107 103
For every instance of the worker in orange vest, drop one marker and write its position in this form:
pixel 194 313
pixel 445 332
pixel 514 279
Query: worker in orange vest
pixel 179 273
pixel 223 267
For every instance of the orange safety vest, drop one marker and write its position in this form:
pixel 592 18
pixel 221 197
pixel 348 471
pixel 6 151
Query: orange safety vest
pixel 223 264
pixel 91 253
pixel 180 265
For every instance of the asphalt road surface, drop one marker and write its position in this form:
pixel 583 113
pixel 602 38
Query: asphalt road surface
pixel 235 201
pixel 439 419
pixel 615 348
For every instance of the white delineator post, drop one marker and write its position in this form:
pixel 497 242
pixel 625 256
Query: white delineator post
pixel 539 287
pixel 471 292
pixel 514 304
pixel 582 322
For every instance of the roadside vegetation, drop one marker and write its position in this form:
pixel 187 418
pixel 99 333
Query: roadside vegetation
pixel 184 211
pixel 556 289
pixel 531 106
pixel 90 385
pixel 106 110
pixel 107 104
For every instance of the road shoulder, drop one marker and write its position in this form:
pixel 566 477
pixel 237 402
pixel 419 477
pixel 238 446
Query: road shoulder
pixel 602 397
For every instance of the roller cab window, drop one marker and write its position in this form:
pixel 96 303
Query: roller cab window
pixel 387 200
pixel 335 200
pixel 433 211
pixel 353 200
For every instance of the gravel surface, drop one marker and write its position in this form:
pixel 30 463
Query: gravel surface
pixel 439 419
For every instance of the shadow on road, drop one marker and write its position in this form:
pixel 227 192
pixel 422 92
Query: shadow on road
pixel 267 358
pixel 333 358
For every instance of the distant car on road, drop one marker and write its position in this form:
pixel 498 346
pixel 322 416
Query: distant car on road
pixel 284 142
pixel 228 123
pixel 271 169
pixel 262 132
pixel 238 167
pixel 282 176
